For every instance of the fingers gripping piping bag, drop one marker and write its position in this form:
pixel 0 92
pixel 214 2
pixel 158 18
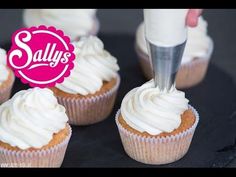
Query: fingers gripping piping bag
pixel 166 35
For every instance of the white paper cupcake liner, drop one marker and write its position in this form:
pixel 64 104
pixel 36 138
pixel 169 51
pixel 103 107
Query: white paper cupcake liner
pixel 157 150
pixel 51 157
pixel 189 74
pixel 5 92
pixel 86 111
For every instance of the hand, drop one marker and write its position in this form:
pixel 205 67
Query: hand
pixel 192 17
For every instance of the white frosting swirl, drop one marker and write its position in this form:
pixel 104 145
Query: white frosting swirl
pixel 197 43
pixel 93 65
pixel 30 118
pixel 74 22
pixel 146 109
pixel 3 68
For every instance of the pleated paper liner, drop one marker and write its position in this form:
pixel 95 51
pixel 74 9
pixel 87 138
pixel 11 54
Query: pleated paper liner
pixel 189 74
pixel 157 150
pixel 86 111
pixel 5 92
pixel 51 157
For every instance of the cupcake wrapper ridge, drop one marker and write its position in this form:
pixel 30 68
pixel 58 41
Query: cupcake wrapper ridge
pixel 90 110
pixel 157 150
pixel 51 157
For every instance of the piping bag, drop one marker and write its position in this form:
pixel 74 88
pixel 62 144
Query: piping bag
pixel 166 36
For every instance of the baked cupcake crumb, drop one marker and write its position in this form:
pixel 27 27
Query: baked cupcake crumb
pixel 57 139
pixel 105 87
pixel 8 81
pixel 187 120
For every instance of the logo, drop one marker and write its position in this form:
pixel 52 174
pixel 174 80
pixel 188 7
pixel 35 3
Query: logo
pixel 41 56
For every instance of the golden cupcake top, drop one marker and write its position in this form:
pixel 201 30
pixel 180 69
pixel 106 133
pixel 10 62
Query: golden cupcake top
pixel 147 109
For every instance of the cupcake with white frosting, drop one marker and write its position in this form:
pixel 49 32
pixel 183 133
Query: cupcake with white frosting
pixel 156 127
pixel 195 59
pixel 6 78
pixel 74 22
pixel 89 92
pixel 33 130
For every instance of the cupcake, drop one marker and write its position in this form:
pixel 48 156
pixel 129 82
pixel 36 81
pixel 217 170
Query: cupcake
pixel 33 130
pixel 6 78
pixel 195 59
pixel 74 22
pixel 89 93
pixel 156 127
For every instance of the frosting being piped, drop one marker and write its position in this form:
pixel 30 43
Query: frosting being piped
pixel 147 109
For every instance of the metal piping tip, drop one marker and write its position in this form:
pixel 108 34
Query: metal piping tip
pixel 165 64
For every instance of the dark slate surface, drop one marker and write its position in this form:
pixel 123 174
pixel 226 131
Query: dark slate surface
pixel 213 144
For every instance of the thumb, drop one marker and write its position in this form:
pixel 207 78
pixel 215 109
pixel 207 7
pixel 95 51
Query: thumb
pixel 192 17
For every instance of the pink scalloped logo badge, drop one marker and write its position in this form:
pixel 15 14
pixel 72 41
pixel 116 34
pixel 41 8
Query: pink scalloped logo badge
pixel 41 56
